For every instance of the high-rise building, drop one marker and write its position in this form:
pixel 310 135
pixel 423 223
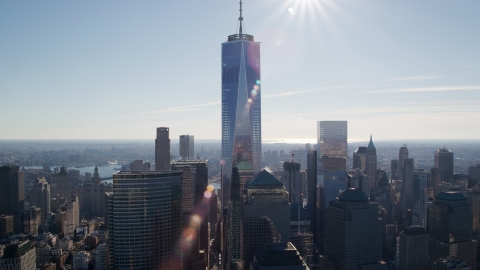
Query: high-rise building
pixel 371 168
pixel 265 214
pixel 12 194
pixel 451 262
pixel 72 219
pixel 145 220
pixel 419 210
pixel 359 180
pixel 473 196
pixel 474 171
pixel 139 165
pixel 91 196
pixel 194 184
pixel 312 205
pixel 18 255
pixel 6 225
pixel 402 155
pixel 61 184
pixel 241 103
pixel 233 224
pixel 394 169
pixel 39 196
pixel 187 151
pixel 353 234
pixel 162 149
pixel 443 159
pixel 332 139
pixel 360 158
pixel 450 228
pixel 413 249
pixel 292 181
pixel 407 187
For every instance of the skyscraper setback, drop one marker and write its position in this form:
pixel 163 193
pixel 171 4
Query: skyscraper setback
pixel 241 96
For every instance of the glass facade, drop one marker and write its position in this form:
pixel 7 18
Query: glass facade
pixel 332 139
pixel 145 220
pixel 241 95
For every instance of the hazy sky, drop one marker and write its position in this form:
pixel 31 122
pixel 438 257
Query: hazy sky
pixel 119 69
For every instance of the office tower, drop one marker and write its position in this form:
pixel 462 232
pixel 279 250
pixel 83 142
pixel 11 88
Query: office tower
pixel 12 194
pixel 359 180
pixel 187 151
pixel 61 184
pixel 407 187
pixel 353 236
pixel 332 139
pixel 413 249
pixel 473 197
pixel 194 184
pixel 72 219
pixel 145 220
pixel 241 103
pixel 278 256
pixel 394 169
pixel 436 180
pixel 360 158
pixel 32 219
pixel 292 181
pixel 6 225
pixel 450 229
pixel 162 149
pixel 233 226
pixel 101 257
pixel 419 210
pixel 39 196
pixel 265 215
pixel 139 165
pixel 18 255
pixel 474 171
pixel 91 196
pixel 443 159
pixel 402 155
pixel 312 205
pixel 371 168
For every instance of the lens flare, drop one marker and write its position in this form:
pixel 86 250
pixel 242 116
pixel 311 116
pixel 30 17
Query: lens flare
pixel 258 82
pixel 254 92
pixel 207 194
pixel 210 188
pixel 255 87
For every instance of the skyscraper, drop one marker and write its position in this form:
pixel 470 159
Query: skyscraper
pixel 419 211
pixel 265 214
pixel 241 103
pixel 332 139
pixel 61 184
pixel 91 196
pixel 443 159
pixel 412 250
pixel 39 196
pixel 353 234
pixel 11 194
pixel 402 155
pixel 360 158
pixel 145 221
pixel 293 181
pixel 371 168
pixel 407 187
pixel 187 151
pixel 162 149
pixel 450 228
pixel 312 205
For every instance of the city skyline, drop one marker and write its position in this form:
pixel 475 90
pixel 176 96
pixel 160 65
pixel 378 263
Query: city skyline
pixel 116 70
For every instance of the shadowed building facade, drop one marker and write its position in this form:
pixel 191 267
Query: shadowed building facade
pixel 353 234
pixel 265 214
pixel 12 194
pixel 162 149
pixel 443 159
pixel 450 228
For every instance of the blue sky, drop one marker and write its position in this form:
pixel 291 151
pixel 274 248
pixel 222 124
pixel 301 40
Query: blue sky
pixel 118 69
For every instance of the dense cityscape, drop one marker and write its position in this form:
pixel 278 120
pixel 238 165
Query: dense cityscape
pixel 240 202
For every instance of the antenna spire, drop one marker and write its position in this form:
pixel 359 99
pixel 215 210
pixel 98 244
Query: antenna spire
pixel 240 19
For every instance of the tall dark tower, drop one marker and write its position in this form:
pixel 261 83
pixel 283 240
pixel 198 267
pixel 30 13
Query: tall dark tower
pixel 232 255
pixel 443 159
pixel 371 169
pixel 11 193
pixel 241 95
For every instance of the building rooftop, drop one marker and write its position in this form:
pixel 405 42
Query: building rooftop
pixel 264 179
pixel 361 150
pixel 353 195
pixel 451 196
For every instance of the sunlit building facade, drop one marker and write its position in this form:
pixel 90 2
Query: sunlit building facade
pixel 241 106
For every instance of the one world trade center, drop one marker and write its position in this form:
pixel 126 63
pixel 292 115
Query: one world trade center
pixel 241 113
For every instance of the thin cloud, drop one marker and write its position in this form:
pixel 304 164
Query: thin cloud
pixel 426 89
pixel 302 91
pixel 415 78
pixel 179 108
